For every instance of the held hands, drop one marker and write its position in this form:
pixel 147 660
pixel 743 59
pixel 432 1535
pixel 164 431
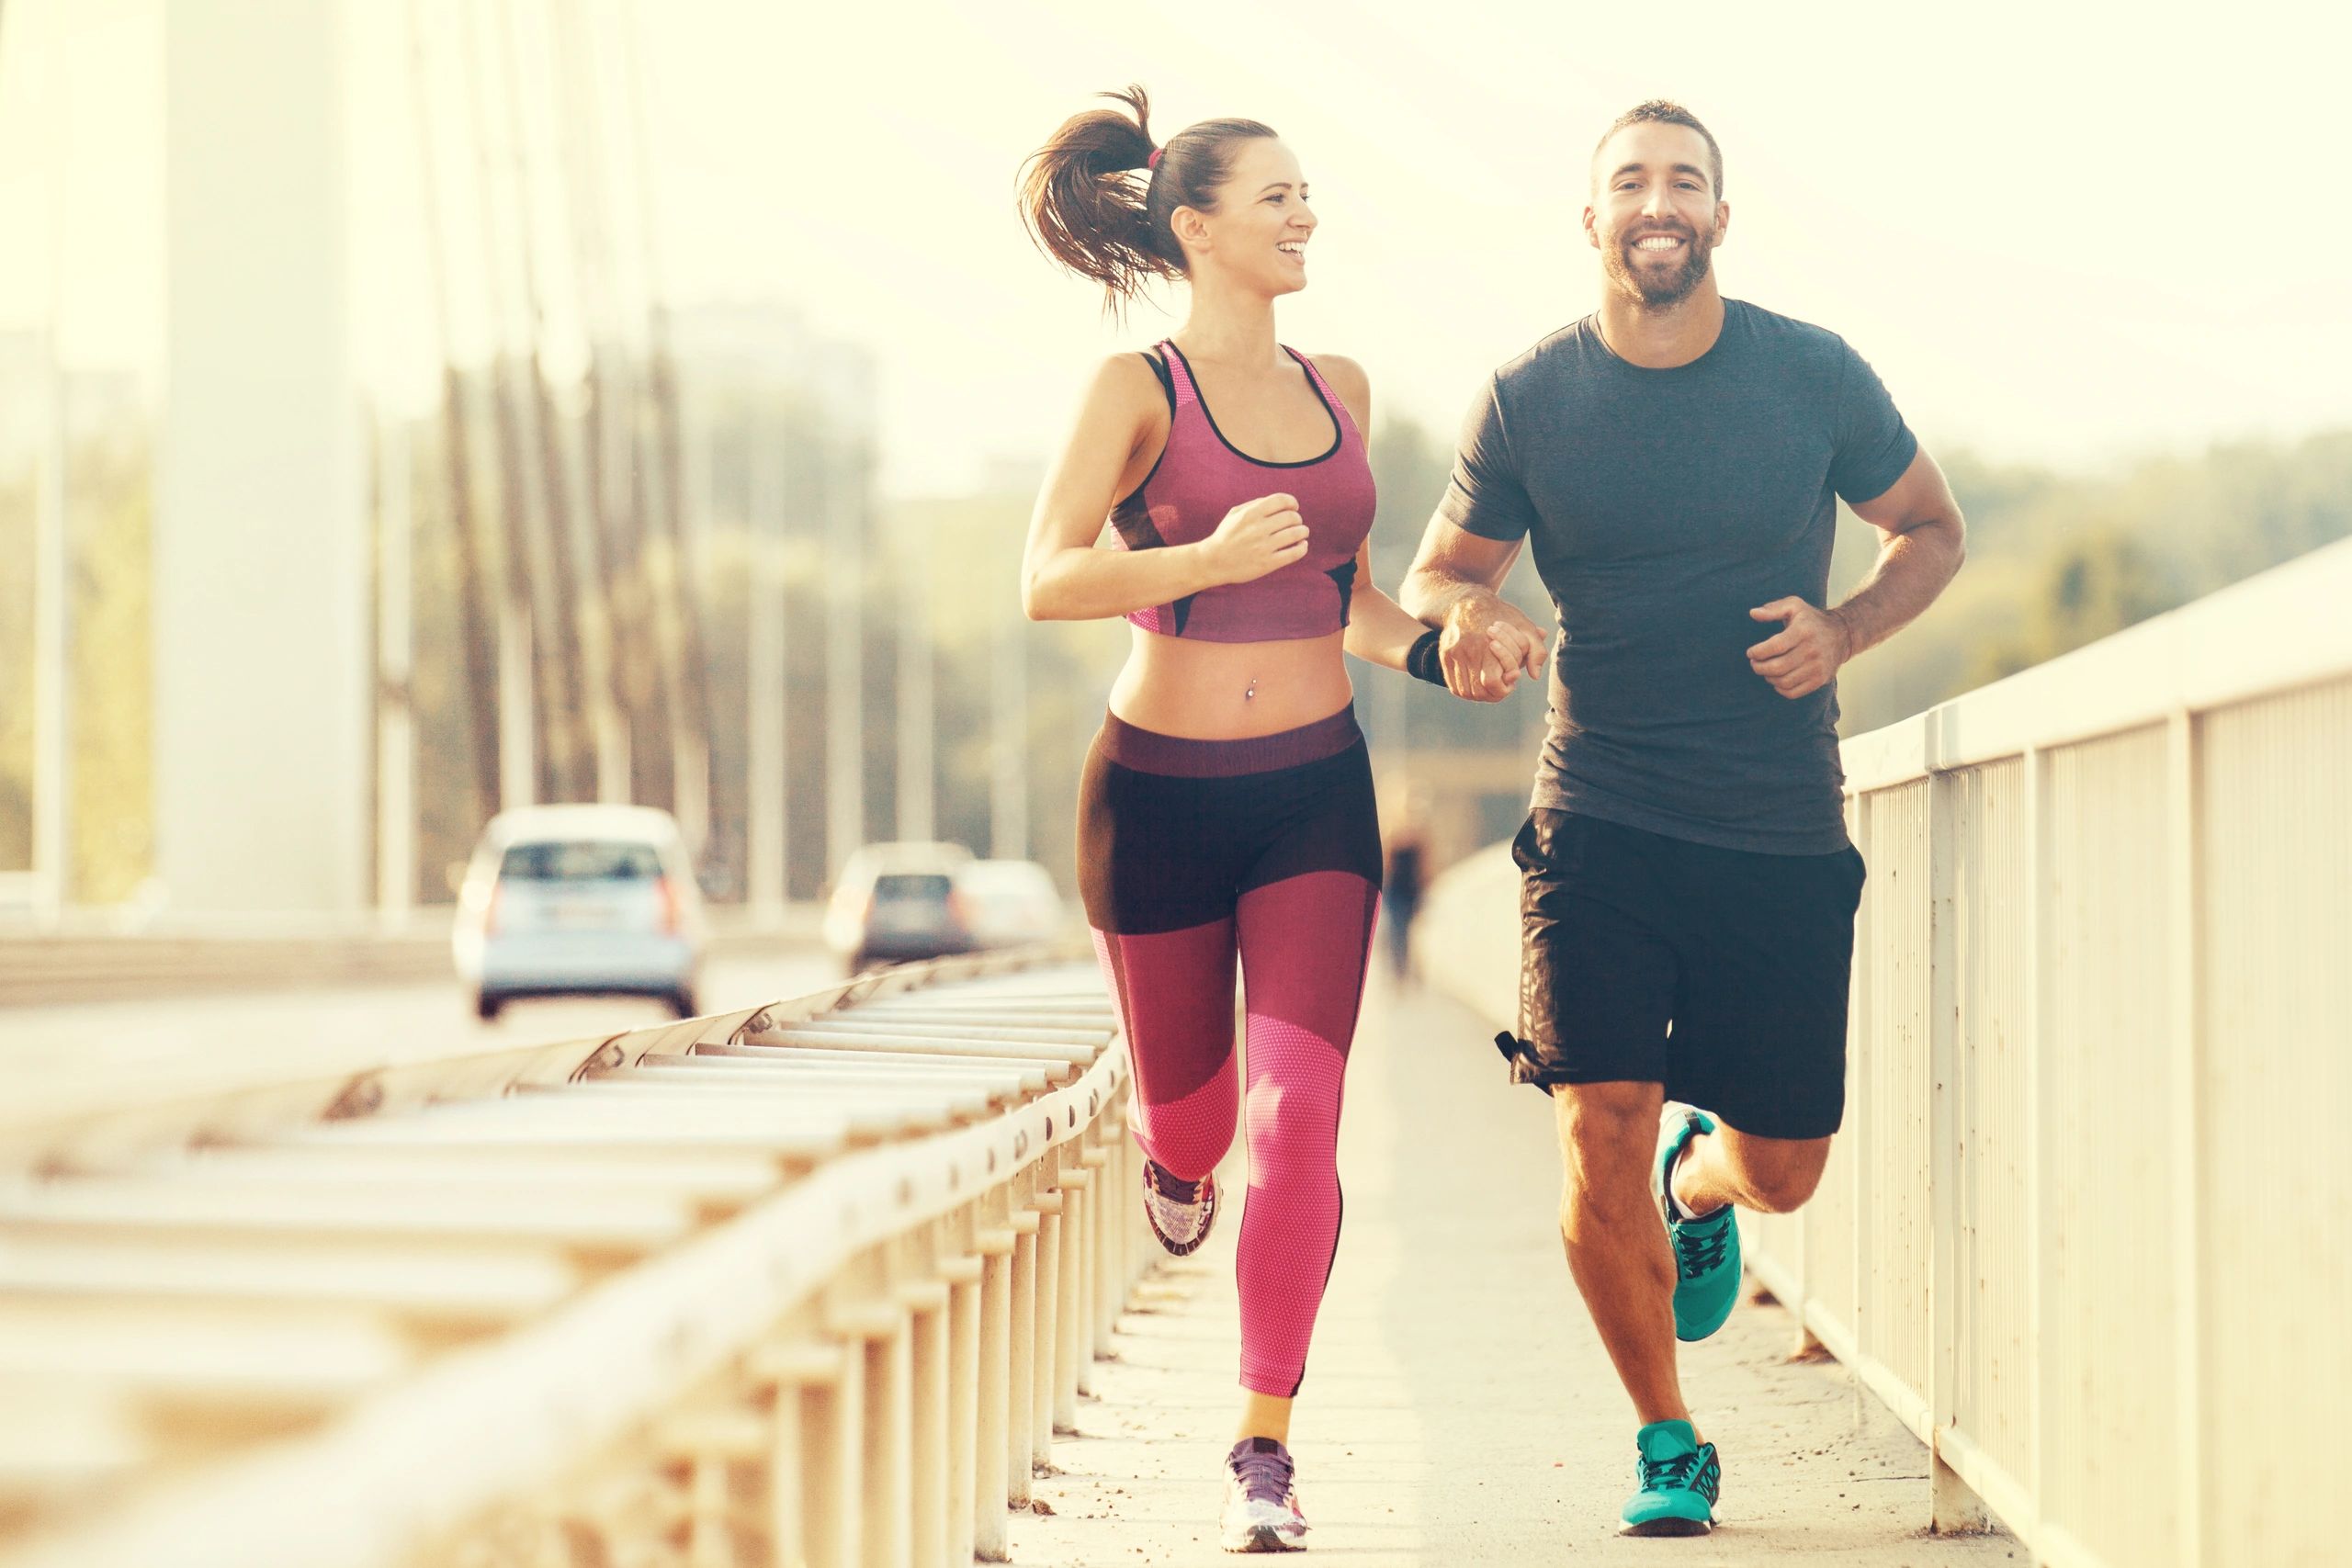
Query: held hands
pixel 1255 538
pixel 1803 656
pixel 1487 645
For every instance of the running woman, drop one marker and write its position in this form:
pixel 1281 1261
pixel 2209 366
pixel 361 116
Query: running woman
pixel 1226 808
pixel 1687 912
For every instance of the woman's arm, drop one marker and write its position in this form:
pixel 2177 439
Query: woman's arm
pixel 1065 578
pixel 1379 631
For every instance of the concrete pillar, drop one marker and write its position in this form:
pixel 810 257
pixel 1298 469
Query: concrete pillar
pixel 767 800
pixel 262 708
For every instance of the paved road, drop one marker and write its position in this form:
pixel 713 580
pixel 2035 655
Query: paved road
pixel 57 1060
pixel 1459 1408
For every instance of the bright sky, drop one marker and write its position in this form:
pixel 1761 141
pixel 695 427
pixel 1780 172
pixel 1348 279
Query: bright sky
pixel 2064 232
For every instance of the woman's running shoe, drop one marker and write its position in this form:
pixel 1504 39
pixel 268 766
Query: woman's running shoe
pixel 1181 1212
pixel 1260 1499
pixel 1677 1478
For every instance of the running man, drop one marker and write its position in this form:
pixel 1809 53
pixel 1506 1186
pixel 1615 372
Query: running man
pixel 1688 901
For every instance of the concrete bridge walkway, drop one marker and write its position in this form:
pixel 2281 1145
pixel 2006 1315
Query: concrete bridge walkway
pixel 1459 1408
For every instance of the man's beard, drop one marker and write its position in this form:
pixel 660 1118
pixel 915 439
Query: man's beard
pixel 1657 290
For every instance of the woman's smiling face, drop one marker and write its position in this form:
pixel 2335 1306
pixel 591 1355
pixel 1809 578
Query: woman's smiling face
pixel 1258 235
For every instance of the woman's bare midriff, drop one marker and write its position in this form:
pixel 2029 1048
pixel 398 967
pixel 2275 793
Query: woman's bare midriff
pixel 1201 690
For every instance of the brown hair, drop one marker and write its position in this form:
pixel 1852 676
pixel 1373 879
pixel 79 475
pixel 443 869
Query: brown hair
pixel 1094 202
pixel 1661 111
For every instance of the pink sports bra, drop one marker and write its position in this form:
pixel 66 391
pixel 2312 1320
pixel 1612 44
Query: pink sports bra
pixel 1201 476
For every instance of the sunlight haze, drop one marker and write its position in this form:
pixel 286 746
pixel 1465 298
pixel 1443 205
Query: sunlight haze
pixel 2057 236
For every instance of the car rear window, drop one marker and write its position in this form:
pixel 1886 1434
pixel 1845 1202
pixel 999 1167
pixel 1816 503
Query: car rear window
pixel 575 860
pixel 911 887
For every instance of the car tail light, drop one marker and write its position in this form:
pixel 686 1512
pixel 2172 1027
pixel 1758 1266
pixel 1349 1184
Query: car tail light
pixel 959 910
pixel 490 912
pixel 669 914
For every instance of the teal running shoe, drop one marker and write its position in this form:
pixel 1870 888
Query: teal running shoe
pixel 1706 1251
pixel 1680 1477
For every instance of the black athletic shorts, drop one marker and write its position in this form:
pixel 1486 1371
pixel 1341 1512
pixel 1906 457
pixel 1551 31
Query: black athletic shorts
pixel 1718 973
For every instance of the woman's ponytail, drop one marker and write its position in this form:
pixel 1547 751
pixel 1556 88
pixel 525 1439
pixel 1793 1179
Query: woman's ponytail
pixel 1098 201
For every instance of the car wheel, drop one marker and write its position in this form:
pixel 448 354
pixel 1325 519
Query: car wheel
pixel 683 1003
pixel 486 1006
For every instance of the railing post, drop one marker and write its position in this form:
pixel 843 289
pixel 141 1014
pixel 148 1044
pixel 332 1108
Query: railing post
pixel 2184 843
pixel 804 1502
pixel 1111 1253
pixel 998 1244
pixel 1093 1341
pixel 710 1529
pixel 888 1488
pixel 1046 1361
pixel 786 1513
pixel 1953 1507
pixel 926 1297
pixel 1021 1398
pixel 965 1273
pixel 2040 971
pixel 1141 1245
pixel 1859 1139
pixel 834 1416
pixel 1125 1205
pixel 703 1441
pixel 1071 1357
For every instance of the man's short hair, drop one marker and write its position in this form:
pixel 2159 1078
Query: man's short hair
pixel 1661 111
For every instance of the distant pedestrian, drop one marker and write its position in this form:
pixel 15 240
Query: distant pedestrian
pixel 1675 462
pixel 1401 888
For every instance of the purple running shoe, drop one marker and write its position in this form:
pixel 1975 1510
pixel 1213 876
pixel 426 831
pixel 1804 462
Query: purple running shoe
pixel 1261 1498
pixel 1181 1212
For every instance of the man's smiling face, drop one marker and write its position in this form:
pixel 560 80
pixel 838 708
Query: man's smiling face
pixel 1656 217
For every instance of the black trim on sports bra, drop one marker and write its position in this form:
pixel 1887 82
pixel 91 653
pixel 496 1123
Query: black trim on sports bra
pixel 1167 385
pixel 1338 432
pixel 1344 577
pixel 1166 378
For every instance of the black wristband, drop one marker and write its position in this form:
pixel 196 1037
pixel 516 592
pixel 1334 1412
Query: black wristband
pixel 1421 660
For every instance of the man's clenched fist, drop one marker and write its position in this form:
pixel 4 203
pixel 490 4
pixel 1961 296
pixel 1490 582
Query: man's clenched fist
pixel 1806 653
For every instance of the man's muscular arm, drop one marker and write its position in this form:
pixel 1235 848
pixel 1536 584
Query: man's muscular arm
pixel 1487 643
pixel 1926 541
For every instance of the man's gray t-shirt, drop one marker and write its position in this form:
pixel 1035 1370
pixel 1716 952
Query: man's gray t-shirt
pixel 1661 507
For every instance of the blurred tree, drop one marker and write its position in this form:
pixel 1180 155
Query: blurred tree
pixel 2089 587
pixel 2055 561
pixel 112 667
pixel 112 677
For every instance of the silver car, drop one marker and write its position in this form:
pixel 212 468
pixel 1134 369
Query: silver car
pixel 1011 903
pixel 896 902
pixel 580 900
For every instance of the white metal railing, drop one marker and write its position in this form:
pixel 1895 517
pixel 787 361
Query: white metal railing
pixel 814 1283
pixel 2089 1228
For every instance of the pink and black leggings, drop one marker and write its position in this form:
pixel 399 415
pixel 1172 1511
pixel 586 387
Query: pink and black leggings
pixel 1192 852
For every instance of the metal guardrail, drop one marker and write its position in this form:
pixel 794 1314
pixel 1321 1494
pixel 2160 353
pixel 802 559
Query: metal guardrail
pixel 2086 1229
pixel 41 967
pixel 815 1282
